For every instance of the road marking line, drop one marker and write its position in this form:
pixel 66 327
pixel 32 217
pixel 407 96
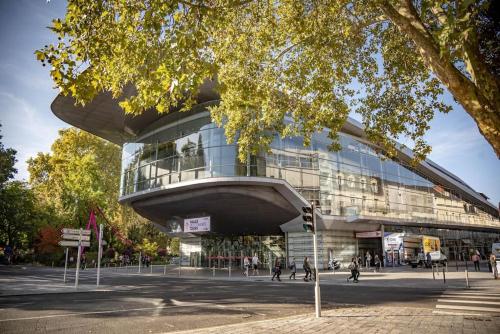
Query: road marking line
pixel 87 313
pixel 469 308
pixel 468 301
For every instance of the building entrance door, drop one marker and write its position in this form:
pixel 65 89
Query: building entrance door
pixel 225 251
pixel 371 246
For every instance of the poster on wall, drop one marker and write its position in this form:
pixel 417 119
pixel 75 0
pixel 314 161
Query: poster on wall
pixel 201 224
pixel 432 245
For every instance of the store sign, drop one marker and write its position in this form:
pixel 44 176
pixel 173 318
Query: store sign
pixel 201 224
pixel 374 234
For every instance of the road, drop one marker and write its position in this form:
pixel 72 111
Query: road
pixel 152 304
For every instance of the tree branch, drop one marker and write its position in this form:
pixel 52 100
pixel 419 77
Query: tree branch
pixel 484 111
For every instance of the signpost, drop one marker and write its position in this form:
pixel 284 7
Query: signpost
pixel 74 238
pixel 71 243
pixel 65 265
pixel 99 255
pixel 78 258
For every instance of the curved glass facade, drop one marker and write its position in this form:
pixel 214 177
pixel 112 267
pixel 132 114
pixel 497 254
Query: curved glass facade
pixel 353 181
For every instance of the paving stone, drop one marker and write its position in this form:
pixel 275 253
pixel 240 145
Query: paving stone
pixel 366 320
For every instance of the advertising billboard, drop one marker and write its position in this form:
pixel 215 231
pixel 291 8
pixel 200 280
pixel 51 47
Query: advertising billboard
pixel 201 224
pixel 431 245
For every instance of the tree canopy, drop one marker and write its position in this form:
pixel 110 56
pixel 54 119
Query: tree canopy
pixel 7 162
pixel 81 172
pixel 314 60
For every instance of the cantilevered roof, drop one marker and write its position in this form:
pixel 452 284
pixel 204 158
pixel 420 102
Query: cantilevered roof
pixel 105 118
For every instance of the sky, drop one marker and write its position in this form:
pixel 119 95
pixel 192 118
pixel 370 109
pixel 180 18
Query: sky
pixel 28 125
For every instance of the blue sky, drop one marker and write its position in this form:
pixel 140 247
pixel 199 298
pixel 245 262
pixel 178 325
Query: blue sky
pixel 29 126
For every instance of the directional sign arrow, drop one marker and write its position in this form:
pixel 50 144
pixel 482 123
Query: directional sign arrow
pixel 75 237
pixel 74 231
pixel 68 243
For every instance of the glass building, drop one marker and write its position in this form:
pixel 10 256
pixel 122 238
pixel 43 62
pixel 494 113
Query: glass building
pixel 179 166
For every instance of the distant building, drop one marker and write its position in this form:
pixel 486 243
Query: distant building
pixel 177 167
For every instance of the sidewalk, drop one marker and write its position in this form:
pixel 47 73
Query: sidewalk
pixel 365 320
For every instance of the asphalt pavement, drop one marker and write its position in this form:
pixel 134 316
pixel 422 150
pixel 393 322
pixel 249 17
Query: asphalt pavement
pixel 143 303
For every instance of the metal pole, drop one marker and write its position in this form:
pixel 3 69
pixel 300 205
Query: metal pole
pixel 180 263
pixel 241 259
pixel 433 276
pixel 467 278
pixel 165 269
pixel 444 276
pixel 230 263
pixel 140 260
pixel 99 255
pixel 66 265
pixel 78 259
pixel 151 268
pixel 317 294
pixel 382 232
pixel 270 263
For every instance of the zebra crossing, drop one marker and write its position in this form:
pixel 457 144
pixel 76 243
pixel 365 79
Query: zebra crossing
pixel 482 302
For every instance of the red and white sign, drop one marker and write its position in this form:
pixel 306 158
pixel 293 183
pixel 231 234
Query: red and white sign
pixel 373 234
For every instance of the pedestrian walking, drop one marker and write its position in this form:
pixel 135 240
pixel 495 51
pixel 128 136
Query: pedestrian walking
pixel 246 265
pixel 475 259
pixel 277 269
pixel 428 260
pixel 494 269
pixel 377 262
pixel 368 258
pixel 353 267
pixel 255 264
pixel 9 254
pixel 293 268
pixel 307 268
pixel 83 262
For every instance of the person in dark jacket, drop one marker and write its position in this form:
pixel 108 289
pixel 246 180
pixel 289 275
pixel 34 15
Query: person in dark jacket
pixel 277 269
pixel 293 268
pixel 307 269
pixel 354 267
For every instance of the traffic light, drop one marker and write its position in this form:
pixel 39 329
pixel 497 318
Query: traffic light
pixel 308 219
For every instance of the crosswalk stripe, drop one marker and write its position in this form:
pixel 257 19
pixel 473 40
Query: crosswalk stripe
pixel 468 302
pixel 469 308
pixel 472 293
pixel 471 297
pixel 456 313
pixel 462 301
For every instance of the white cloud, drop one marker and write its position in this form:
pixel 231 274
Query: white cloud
pixel 450 143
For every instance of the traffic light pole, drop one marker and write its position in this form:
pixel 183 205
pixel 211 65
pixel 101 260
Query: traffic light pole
pixel 317 294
